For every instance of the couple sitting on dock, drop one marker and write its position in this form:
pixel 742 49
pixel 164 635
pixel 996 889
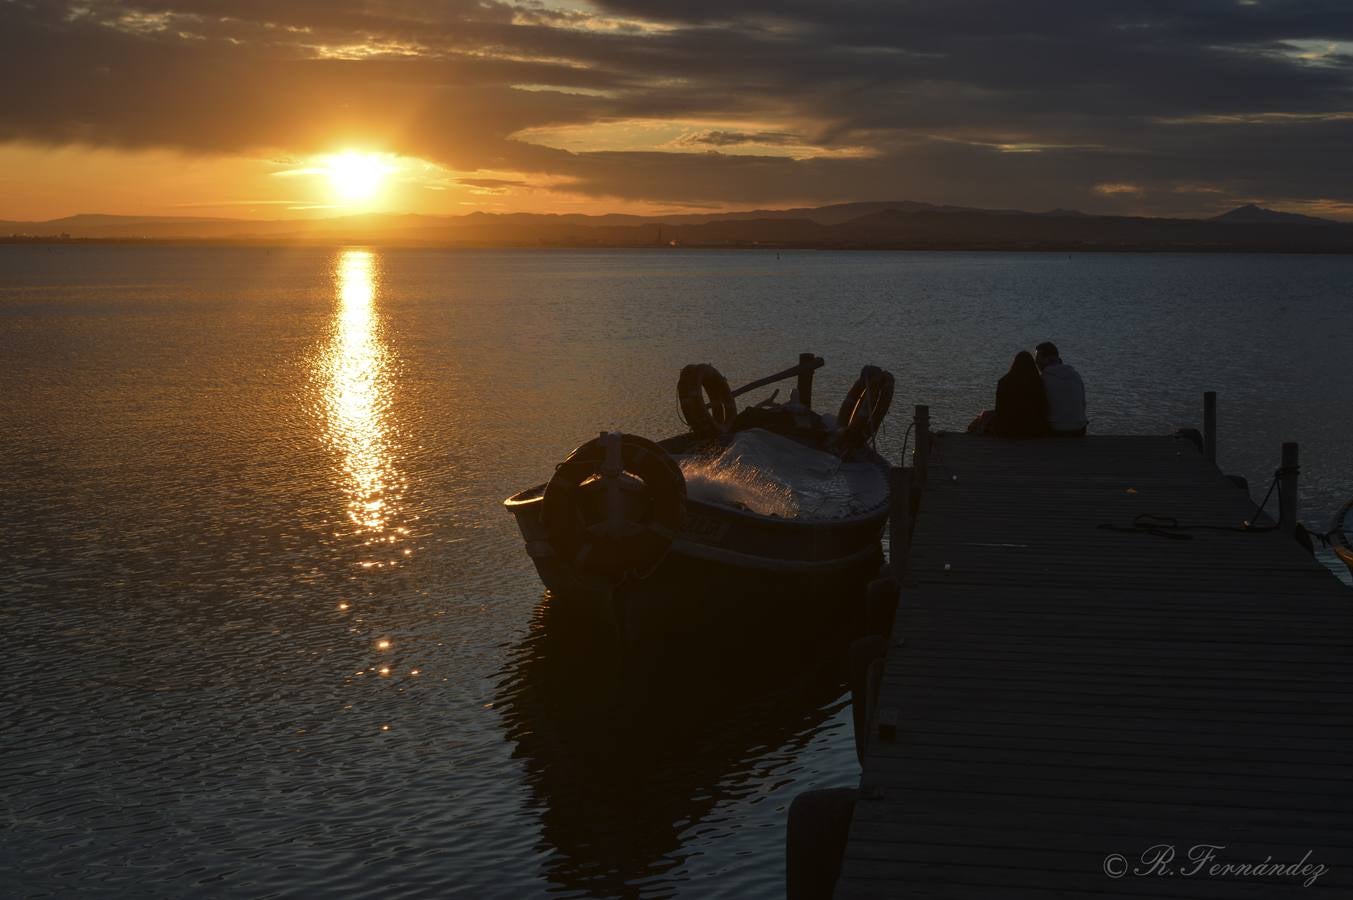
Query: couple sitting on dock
pixel 1040 396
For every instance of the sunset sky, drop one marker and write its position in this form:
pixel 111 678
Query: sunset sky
pixel 262 109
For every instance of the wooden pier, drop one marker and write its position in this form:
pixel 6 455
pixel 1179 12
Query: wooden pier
pixel 1058 697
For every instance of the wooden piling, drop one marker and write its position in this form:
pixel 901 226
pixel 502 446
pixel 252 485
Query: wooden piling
pixel 1287 488
pixel 881 606
pixel 922 429
pixel 806 379
pixel 1210 426
pixel 899 524
pixel 815 841
pixel 864 669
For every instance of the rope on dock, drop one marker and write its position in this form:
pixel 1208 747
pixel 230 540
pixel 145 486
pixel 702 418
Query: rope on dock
pixel 1170 527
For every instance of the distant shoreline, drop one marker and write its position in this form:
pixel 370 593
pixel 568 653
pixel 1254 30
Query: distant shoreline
pixel 912 246
pixel 868 225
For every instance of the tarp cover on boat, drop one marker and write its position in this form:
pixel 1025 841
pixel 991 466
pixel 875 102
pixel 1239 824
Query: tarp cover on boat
pixel 766 473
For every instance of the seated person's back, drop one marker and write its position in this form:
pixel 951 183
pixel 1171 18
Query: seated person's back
pixel 1021 403
pixel 1065 392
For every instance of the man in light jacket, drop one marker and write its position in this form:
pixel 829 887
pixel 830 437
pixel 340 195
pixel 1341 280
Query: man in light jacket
pixel 1065 390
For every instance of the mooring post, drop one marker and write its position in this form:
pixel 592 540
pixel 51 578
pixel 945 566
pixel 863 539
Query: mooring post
pixel 880 606
pixel 864 672
pixel 1287 488
pixel 815 841
pixel 1210 426
pixel 806 379
pixel 899 525
pixel 922 429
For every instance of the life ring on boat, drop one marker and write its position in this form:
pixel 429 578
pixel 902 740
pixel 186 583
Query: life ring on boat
pixel 614 506
pixel 865 405
pixel 706 418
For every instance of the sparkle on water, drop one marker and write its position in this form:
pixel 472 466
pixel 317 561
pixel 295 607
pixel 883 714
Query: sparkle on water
pixel 357 370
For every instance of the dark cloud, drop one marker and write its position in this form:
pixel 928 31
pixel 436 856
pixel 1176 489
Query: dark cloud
pixel 716 138
pixel 984 102
pixel 87 82
pixel 492 183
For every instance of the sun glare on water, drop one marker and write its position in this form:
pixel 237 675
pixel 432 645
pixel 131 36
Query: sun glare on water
pixel 357 177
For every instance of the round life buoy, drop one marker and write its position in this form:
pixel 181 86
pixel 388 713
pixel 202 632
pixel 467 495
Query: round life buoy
pixel 865 406
pixel 712 417
pixel 614 505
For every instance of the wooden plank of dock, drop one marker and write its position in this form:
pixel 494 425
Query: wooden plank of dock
pixel 1063 692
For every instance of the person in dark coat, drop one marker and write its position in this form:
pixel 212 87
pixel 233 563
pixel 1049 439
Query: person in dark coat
pixel 1021 402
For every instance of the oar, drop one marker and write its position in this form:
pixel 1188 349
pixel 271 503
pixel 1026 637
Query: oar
pixel 815 363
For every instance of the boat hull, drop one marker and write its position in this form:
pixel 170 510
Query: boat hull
pixel 1341 535
pixel 724 565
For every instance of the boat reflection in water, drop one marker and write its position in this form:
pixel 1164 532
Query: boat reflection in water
pixel 628 759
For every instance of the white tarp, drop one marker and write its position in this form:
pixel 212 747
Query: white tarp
pixel 774 476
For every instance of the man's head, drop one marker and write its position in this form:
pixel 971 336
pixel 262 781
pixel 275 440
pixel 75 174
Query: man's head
pixel 1045 354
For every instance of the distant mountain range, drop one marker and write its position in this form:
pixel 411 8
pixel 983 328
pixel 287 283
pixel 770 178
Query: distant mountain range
pixel 893 224
pixel 1249 213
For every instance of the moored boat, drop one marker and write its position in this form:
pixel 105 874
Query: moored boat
pixel 1341 535
pixel 773 513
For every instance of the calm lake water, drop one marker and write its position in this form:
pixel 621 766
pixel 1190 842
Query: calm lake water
pixel 268 630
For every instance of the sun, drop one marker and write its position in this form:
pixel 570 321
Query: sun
pixel 356 177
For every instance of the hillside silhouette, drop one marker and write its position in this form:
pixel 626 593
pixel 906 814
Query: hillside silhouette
pixel 865 225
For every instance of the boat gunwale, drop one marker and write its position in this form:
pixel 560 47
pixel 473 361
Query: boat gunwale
pixel 536 494
pixel 524 498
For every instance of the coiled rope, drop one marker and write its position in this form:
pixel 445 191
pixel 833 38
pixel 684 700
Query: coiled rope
pixel 1170 527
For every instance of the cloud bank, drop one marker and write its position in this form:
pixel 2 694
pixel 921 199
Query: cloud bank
pixel 1152 106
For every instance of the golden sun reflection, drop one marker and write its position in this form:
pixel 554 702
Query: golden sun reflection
pixel 357 394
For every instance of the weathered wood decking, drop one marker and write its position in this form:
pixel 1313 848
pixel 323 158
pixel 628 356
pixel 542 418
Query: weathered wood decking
pixel 1063 693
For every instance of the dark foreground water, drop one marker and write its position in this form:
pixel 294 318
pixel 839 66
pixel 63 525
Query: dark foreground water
pixel 268 631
